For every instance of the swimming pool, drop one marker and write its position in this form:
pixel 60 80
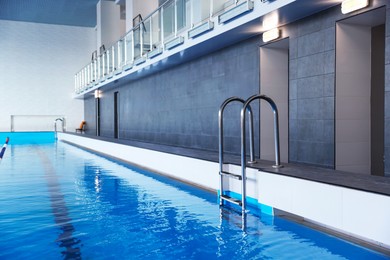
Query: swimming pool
pixel 58 201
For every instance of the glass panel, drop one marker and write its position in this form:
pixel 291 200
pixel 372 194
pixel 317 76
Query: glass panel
pixel 104 64
pixel 82 79
pixel 200 11
pixel 89 74
pixel 137 42
pixel 85 76
pixel 114 57
pixel 79 81
pixel 88 70
pixel 168 20
pixel 183 8
pixel 145 26
pixel 76 84
pixel 129 54
pixel 110 65
pixel 121 53
pixel 99 67
pixel 156 32
pixel 93 71
pixel 219 5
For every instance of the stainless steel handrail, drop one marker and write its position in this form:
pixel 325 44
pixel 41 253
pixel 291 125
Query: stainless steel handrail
pixel 243 140
pixel 220 123
pixel 62 119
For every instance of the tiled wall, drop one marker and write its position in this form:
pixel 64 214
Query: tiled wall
pixel 179 106
pixel 37 64
pixel 312 87
pixel 387 94
pixel 90 115
pixel 312 75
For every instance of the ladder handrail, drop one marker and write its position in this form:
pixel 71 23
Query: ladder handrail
pixel 220 123
pixel 62 119
pixel 243 140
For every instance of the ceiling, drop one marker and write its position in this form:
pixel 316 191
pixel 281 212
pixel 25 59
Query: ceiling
pixel 61 12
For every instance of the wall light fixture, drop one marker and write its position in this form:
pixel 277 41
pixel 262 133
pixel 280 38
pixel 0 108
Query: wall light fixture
pixel 348 6
pixel 98 93
pixel 271 35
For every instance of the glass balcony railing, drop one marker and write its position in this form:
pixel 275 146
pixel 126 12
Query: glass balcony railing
pixel 159 31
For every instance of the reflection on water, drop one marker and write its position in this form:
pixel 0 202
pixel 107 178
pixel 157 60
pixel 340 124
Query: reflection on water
pixel 80 205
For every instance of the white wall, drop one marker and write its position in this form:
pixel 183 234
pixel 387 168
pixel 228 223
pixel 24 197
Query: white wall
pixel 353 84
pixel 135 7
pixel 110 28
pixel 274 84
pixel 129 15
pixel 38 63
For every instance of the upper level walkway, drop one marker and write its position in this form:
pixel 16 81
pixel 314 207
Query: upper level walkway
pixel 182 30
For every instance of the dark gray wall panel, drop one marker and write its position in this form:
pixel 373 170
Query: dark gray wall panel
pixel 387 93
pixel 311 97
pixel 180 106
pixel 89 115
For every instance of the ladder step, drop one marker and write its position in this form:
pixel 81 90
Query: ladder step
pixel 232 200
pixel 231 175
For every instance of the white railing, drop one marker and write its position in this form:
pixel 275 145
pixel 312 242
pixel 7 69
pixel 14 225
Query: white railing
pixel 149 38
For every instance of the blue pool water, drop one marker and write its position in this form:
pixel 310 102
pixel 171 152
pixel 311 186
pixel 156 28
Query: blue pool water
pixel 61 202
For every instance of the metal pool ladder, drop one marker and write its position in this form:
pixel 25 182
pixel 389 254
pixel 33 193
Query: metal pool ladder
pixel 242 177
pixel 63 122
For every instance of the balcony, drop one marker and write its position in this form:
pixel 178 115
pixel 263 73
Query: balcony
pixel 181 30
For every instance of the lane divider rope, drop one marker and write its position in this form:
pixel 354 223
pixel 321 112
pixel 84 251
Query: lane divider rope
pixel 4 147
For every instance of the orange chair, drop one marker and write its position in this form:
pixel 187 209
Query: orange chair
pixel 81 128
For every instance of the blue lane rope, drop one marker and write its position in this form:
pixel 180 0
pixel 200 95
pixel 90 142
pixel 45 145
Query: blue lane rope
pixel 4 147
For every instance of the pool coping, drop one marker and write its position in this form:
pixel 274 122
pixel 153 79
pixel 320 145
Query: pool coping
pixel 368 183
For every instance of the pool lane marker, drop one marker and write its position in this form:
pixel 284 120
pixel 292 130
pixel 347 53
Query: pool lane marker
pixel 4 147
pixel 60 211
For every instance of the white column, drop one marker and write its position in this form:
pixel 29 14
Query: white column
pixel 142 7
pixel 110 28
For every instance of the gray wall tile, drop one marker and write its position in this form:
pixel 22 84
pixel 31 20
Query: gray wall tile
pixel 311 44
pixel 329 85
pixel 387 51
pixel 312 65
pixel 310 87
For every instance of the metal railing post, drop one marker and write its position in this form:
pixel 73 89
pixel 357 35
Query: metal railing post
pixel 243 158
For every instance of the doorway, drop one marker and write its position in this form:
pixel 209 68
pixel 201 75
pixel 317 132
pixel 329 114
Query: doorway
pixel 116 114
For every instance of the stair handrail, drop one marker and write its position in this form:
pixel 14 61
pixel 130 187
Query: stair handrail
pixel 220 124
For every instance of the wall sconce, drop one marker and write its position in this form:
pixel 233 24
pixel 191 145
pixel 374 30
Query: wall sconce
pixel 348 6
pixel 271 35
pixel 98 94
